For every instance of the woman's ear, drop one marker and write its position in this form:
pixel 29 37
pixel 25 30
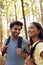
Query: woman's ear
pixel 38 31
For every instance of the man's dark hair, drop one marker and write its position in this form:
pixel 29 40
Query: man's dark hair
pixel 15 23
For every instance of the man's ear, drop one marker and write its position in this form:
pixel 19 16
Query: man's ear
pixel 10 29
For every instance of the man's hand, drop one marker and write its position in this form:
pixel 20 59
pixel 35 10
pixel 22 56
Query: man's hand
pixel 4 48
pixel 19 51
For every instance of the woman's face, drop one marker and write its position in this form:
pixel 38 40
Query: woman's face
pixel 33 31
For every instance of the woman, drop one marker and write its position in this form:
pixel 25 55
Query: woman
pixel 35 32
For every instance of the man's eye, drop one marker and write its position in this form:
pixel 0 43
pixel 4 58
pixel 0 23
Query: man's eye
pixel 15 28
pixel 31 27
pixel 19 29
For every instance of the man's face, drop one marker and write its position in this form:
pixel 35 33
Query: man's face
pixel 15 31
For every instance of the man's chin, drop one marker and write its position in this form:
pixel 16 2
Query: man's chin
pixel 15 36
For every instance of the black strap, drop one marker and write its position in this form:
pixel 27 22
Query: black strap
pixel 19 41
pixel 33 49
pixel 8 40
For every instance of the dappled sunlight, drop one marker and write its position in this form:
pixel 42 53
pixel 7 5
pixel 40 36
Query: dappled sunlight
pixel 11 10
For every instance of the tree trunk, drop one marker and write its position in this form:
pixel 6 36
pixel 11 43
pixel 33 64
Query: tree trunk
pixel 15 13
pixel 41 7
pixel 0 30
pixel 25 28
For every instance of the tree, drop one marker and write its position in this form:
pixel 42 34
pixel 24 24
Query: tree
pixel 24 19
pixel 1 30
pixel 41 7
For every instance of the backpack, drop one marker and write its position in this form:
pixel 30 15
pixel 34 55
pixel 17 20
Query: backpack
pixel 19 44
pixel 31 60
pixel 33 49
pixel 8 40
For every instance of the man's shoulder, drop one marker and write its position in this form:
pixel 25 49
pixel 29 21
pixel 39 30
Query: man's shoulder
pixel 5 40
pixel 25 41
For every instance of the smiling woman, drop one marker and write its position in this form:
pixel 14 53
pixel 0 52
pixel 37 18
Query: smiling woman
pixel 35 32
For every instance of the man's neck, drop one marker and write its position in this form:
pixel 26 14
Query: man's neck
pixel 14 38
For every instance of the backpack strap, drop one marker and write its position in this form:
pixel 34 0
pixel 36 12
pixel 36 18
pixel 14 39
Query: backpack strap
pixel 19 41
pixel 8 40
pixel 33 49
pixel 20 44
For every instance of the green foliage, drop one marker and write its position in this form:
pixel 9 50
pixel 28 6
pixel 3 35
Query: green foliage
pixel 26 7
pixel 14 1
pixel 9 8
pixel 1 4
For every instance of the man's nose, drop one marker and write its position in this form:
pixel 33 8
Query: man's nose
pixel 18 31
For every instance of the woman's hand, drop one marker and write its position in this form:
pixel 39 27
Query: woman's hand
pixel 29 61
pixel 26 61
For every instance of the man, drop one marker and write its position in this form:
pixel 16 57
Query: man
pixel 15 55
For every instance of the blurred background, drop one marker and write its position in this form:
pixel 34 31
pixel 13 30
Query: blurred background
pixel 25 11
